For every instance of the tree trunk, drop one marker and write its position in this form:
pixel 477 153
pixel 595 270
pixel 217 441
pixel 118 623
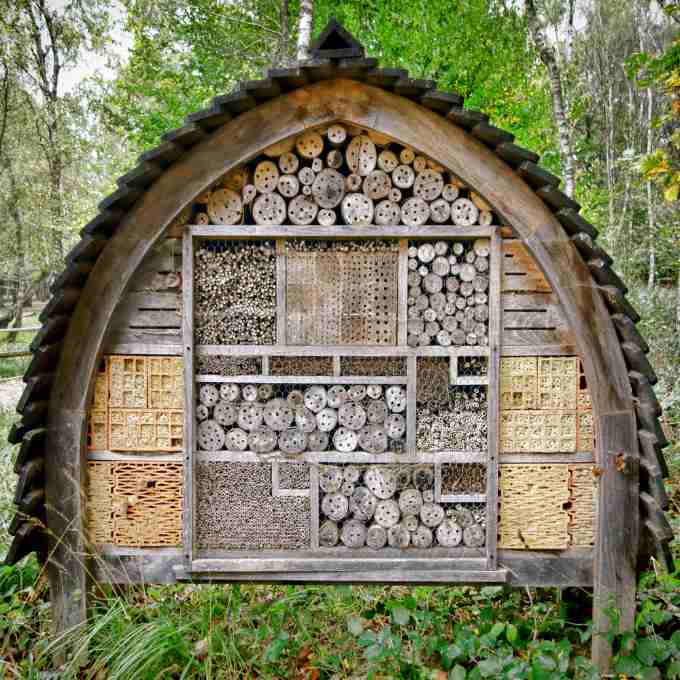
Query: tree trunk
pixel 305 29
pixel 548 57
pixel 283 56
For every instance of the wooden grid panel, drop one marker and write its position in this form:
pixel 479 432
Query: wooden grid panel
pixel 532 507
pixel 583 505
pixel 98 430
pixel 519 382
pixel 557 379
pixel 128 381
pixel 145 430
pixel 341 298
pixel 166 382
pixel 147 504
pixel 100 502
pixel 538 432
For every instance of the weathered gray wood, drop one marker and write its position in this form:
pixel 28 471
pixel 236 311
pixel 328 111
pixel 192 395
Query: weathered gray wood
pixel 617 530
pixel 548 569
pixel 143 566
pixel 69 568
pixel 402 292
pixel 265 365
pixel 142 348
pixel 281 305
pixel 305 379
pixel 509 350
pixel 338 457
pixel 337 366
pixel 342 350
pixel 405 576
pixel 463 498
pixel 146 457
pixel 188 513
pixel 496 322
pixel 411 387
pixel 247 231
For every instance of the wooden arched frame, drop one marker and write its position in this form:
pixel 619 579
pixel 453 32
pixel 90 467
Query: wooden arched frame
pixel 240 140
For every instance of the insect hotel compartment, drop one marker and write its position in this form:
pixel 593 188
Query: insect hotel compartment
pixel 341 293
pixel 237 509
pixel 235 293
pixel 264 418
pixel 448 417
pixel 388 506
pixel 448 286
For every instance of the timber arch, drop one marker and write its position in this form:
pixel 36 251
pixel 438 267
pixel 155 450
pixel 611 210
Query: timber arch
pixel 60 380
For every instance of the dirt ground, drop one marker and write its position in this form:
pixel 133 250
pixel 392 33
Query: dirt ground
pixel 10 391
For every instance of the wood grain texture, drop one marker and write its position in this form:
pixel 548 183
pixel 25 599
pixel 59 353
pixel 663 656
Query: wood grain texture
pixel 188 513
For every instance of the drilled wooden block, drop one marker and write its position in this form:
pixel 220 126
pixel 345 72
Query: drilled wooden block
pixel 127 381
pixel 235 510
pixel 538 432
pixel 582 506
pixel 519 382
pixel 147 504
pixel 145 430
pixel 100 502
pixel 97 430
pixel 532 507
pixel 557 381
pixel 341 298
pixel 166 382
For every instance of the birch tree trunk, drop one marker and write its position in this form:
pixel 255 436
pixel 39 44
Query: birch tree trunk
pixel 549 58
pixel 305 22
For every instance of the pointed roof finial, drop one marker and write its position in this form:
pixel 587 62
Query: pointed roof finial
pixel 336 42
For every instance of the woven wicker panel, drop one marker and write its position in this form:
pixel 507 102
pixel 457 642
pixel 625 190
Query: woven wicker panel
pixel 235 510
pixel 583 505
pixel 97 430
pixel 383 366
pixel 100 400
pixel 166 382
pixel 519 382
pixel 532 500
pixel 128 381
pixel 301 365
pixel 433 379
pixel 341 298
pixel 145 430
pixel 538 432
pixel 293 476
pixel 147 501
pixel 557 378
pixel 100 502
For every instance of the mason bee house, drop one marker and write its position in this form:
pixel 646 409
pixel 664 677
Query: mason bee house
pixel 339 328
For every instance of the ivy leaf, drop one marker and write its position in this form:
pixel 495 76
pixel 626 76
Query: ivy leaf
pixel 673 670
pixel 497 629
pixel 511 633
pixel 628 665
pixel 457 673
pixel 490 668
pixel 401 616
pixel 449 654
pixel 675 639
pixel 355 625
pixel 645 651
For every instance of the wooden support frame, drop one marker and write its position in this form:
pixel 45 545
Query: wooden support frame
pixel 477 166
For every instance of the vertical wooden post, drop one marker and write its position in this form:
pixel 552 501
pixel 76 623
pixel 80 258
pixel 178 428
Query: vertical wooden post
pixel 617 532
pixel 492 396
pixel 65 481
pixel 188 350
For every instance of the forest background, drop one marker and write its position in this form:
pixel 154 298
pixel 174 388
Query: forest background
pixel 593 86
